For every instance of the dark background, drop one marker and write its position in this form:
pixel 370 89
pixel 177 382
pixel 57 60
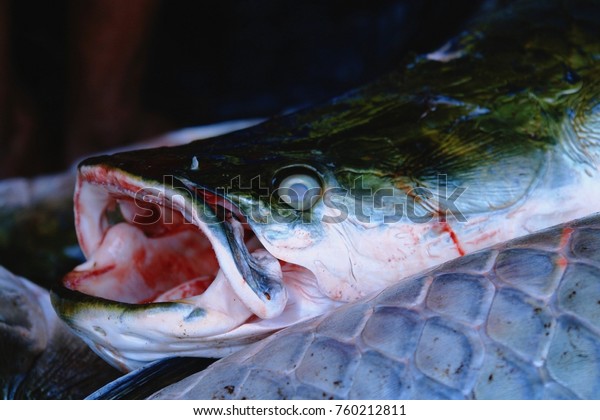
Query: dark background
pixel 82 76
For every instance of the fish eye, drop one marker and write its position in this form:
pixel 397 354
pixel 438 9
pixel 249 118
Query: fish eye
pixel 298 187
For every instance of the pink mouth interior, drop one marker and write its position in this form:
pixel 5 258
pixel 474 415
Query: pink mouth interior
pixel 147 254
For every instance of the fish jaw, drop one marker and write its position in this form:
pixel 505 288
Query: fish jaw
pixel 98 188
pixel 185 282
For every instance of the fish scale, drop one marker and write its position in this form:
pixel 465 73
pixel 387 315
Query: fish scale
pixel 520 320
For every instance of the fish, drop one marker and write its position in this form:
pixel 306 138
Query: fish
pixel 529 329
pixel 203 249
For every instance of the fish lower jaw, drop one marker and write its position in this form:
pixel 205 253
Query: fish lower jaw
pixel 132 269
pixel 130 336
pixel 212 324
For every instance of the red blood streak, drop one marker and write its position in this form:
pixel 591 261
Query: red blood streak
pixel 483 238
pixel 73 279
pixel 446 228
pixel 562 261
pixel 565 236
pixel 105 176
pixel 165 269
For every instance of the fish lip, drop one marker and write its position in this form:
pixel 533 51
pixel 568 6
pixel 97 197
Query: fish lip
pixel 98 321
pixel 68 302
pixel 268 298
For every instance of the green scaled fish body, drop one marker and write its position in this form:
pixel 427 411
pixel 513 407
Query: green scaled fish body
pixel 204 248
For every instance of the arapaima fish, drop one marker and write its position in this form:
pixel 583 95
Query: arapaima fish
pixel 203 249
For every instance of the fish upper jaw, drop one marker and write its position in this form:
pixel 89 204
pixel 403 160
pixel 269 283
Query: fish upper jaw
pixel 183 275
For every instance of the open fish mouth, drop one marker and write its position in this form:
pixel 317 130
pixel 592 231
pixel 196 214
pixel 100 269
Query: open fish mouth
pixel 171 273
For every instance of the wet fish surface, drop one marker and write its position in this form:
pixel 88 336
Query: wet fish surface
pixel 210 248
pixel 203 249
pixel 516 321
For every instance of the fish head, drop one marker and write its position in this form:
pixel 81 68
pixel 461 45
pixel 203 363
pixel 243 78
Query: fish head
pixel 203 248
pixel 200 249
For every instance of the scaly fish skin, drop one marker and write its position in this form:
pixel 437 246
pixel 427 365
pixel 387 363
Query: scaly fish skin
pixel 528 329
pixel 493 137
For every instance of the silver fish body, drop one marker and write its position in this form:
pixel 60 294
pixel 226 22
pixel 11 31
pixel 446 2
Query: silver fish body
pixel 517 321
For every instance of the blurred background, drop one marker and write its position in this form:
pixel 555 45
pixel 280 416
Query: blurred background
pixel 82 76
